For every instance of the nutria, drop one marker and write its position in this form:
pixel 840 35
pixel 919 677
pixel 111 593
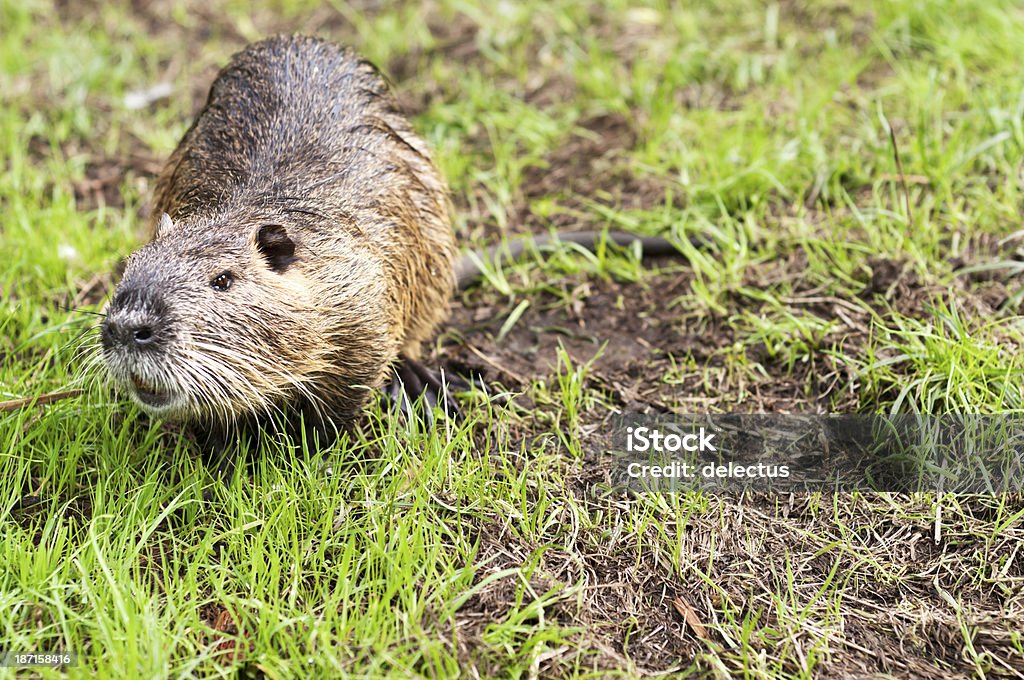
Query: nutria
pixel 302 248
pixel 302 245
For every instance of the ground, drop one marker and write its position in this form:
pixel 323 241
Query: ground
pixel 853 172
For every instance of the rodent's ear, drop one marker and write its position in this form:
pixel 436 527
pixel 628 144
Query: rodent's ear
pixel 276 246
pixel 165 225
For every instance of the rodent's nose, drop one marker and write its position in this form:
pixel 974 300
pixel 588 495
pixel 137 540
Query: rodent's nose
pixel 138 335
pixel 142 335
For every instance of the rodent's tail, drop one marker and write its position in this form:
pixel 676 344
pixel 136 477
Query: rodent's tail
pixel 468 271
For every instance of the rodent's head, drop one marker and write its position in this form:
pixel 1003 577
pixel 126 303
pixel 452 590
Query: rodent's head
pixel 208 323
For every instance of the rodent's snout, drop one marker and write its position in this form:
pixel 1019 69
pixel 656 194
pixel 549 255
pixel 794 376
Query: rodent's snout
pixel 133 321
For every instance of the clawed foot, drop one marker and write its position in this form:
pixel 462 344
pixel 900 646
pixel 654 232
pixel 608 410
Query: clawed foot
pixel 413 381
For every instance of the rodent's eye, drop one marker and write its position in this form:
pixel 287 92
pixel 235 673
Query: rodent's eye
pixel 222 281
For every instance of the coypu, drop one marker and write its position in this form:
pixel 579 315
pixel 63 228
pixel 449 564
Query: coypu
pixel 302 248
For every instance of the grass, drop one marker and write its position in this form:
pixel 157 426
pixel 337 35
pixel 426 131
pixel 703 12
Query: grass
pixel 831 278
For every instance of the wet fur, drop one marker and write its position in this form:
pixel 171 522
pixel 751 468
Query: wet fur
pixel 300 133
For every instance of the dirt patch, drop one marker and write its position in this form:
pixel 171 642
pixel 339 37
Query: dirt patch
pixel 624 605
pixel 630 599
pixel 895 287
pixel 624 325
pixel 657 350
pixel 588 154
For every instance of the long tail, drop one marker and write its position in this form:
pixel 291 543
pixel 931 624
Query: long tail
pixel 467 269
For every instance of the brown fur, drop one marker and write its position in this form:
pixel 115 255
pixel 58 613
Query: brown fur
pixel 300 133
